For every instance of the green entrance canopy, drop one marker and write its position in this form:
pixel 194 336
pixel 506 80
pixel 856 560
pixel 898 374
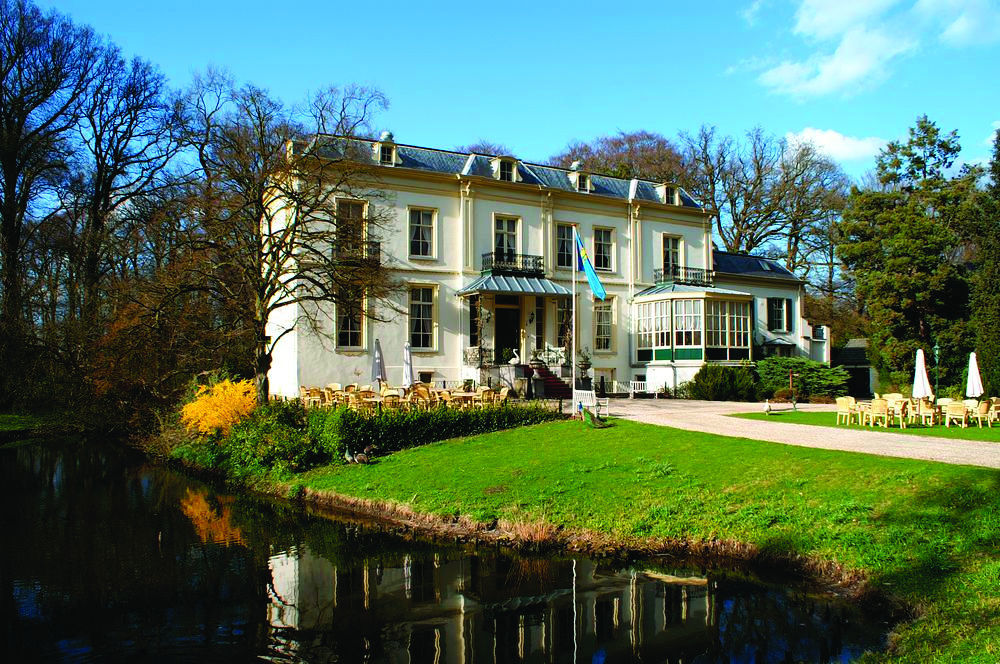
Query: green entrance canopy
pixel 514 285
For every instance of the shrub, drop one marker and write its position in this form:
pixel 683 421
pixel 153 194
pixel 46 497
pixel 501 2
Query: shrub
pixel 714 382
pixel 812 379
pixel 391 430
pixel 216 408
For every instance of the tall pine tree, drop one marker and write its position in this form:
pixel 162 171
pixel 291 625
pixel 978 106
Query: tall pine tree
pixel 986 281
pixel 904 244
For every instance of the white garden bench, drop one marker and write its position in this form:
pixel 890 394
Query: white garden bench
pixel 588 398
pixel 636 387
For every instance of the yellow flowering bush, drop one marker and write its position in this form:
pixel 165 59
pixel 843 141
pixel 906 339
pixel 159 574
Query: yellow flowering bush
pixel 219 407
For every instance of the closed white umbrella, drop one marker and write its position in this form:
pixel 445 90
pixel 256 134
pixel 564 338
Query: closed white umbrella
pixel 407 365
pixel 973 386
pixel 921 386
pixel 378 364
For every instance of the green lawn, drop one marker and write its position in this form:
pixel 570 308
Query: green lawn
pixel 829 419
pixel 926 531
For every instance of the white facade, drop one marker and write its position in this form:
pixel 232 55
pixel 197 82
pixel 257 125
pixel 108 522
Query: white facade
pixel 449 213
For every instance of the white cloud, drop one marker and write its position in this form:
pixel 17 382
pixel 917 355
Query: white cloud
pixel 988 142
pixel 964 22
pixel 750 13
pixel 861 58
pixel 824 19
pixel 836 145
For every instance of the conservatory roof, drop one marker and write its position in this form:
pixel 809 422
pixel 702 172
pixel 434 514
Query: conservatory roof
pixel 664 289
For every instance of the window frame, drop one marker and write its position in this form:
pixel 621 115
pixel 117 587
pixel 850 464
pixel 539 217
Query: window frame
pixel 338 313
pixel 583 183
pixel 433 232
pixel 611 248
pixel 497 218
pixel 433 303
pixel 689 323
pixel 601 307
pixel 728 327
pixel 382 155
pixel 571 248
pixel 786 325
pixel 678 250
pixel 512 168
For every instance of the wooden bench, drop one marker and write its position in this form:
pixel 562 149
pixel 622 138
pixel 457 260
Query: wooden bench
pixel 588 399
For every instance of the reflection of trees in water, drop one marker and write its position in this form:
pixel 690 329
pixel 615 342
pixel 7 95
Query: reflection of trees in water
pixel 210 524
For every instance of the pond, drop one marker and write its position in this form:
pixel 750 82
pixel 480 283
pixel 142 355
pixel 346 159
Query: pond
pixel 109 557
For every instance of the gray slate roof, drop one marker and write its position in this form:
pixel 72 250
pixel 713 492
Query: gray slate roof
pixel 478 165
pixel 514 284
pixel 750 266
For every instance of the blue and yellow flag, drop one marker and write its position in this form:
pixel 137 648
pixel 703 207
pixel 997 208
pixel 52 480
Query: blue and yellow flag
pixel 583 264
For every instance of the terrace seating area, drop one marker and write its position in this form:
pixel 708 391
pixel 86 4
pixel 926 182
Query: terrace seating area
pixel 419 396
pixel 896 410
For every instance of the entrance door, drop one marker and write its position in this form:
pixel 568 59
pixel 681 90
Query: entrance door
pixel 508 333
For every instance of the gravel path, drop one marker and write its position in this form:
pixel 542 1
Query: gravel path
pixel 711 417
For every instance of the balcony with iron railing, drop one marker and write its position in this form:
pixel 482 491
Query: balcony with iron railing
pixel 680 274
pixel 509 263
pixel 362 252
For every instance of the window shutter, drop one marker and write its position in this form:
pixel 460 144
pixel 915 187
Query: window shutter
pixel 789 316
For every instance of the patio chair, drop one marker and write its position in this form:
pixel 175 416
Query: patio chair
pixel 994 409
pixel 971 404
pixel 336 387
pixel 879 411
pixel 353 387
pixel 944 401
pixel 892 396
pixel 899 411
pixel 927 413
pixel 844 411
pixel 956 411
pixel 502 396
pixel 483 398
pixel 314 397
pixel 982 412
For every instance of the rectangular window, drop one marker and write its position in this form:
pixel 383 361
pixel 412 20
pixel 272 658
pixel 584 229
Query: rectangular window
pixel 385 155
pixel 505 238
pixel 652 328
pixel 349 317
pixel 603 324
pixel 474 321
pixel 422 317
pixel 671 255
pixel 687 322
pixel 539 323
pixel 421 233
pixel 350 225
pixel 603 249
pixel 507 171
pixel 564 245
pixel 582 182
pixel 779 314
pixel 727 329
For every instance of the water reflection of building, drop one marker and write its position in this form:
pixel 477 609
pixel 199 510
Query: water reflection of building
pixel 473 609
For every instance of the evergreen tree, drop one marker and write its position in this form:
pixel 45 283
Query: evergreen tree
pixel 986 282
pixel 904 244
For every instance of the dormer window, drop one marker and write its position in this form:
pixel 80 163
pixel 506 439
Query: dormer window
pixel 583 182
pixel 506 170
pixel 670 195
pixel 386 155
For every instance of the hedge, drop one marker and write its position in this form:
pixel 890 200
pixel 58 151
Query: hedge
pixel 723 383
pixel 280 438
pixel 812 378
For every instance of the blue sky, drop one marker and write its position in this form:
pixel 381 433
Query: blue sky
pixel 847 75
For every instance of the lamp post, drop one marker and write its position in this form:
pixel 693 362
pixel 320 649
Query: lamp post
pixel 937 367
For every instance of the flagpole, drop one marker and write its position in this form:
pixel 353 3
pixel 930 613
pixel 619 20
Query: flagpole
pixel 572 359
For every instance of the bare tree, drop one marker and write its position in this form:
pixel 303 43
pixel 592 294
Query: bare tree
pixel 289 217
pixel 45 71
pixel 641 154
pixel 128 135
pixel 485 147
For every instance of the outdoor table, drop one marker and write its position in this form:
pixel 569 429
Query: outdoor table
pixel 463 397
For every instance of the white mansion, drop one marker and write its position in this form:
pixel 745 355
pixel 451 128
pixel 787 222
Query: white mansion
pixel 483 245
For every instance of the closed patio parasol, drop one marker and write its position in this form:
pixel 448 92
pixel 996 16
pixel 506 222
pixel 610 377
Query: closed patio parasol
pixel 921 385
pixel 378 364
pixel 407 365
pixel 974 386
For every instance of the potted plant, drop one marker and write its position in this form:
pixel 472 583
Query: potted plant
pixel 536 362
pixel 583 361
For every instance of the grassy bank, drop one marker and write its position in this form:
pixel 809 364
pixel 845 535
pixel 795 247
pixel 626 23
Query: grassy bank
pixel 829 419
pixel 926 532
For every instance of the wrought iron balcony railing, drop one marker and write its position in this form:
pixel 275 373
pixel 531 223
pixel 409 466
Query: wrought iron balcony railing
pixel 505 262
pixel 679 274
pixel 367 252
